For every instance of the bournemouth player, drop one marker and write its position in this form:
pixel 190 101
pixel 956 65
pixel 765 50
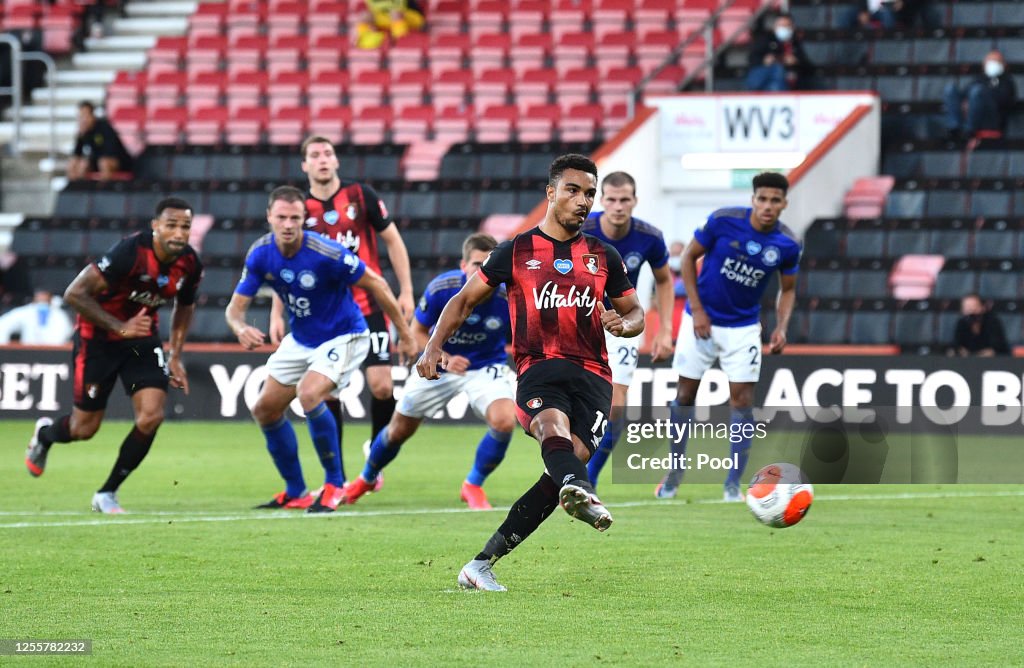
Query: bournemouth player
pixel 116 299
pixel 556 279
pixel 476 366
pixel 353 215
pixel 327 343
pixel 637 242
pixel 741 248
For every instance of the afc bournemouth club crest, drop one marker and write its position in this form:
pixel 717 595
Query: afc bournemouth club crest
pixel 590 262
pixel 535 403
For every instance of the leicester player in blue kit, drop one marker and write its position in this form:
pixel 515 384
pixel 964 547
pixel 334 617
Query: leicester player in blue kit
pixel 328 341
pixel 476 366
pixel 637 242
pixel 741 247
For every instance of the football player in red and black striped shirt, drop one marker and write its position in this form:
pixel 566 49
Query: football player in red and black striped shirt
pixel 556 279
pixel 355 216
pixel 116 299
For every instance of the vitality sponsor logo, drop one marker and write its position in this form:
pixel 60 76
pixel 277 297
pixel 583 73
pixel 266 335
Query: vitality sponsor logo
pixel 549 296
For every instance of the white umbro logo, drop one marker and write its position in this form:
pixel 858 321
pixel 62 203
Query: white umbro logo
pixel 533 264
pixel 567 478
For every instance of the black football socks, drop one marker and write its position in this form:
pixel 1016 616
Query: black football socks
pixel 525 515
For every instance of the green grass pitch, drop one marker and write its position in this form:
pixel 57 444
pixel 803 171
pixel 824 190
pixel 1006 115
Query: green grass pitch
pixel 879 575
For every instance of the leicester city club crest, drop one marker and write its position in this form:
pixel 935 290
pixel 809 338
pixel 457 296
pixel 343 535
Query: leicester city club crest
pixel 770 256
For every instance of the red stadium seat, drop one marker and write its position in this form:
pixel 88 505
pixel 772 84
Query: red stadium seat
pixel 497 124
pixel 247 125
pixel 371 125
pixel 288 126
pixel 164 125
pixel 287 89
pixel 450 88
pixel 447 52
pixel 492 87
pixel 206 125
pixel 577 87
pixel 332 122
pixel 528 20
pixel 535 87
pixel 326 89
pixel 539 122
pixel 573 50
pixel 413 124
pixel 563 21
pixel 409 88
pixel 489 51
pixel 454 123
pixel 654 47
pixel 205 90
pixel 530 51
pixel 369 89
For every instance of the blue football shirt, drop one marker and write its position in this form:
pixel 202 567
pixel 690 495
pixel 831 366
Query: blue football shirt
pixel 643 243
pixel 481 338
pixel 738 263
pixel 314 284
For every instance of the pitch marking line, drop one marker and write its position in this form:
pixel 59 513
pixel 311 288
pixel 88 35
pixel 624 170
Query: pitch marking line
pixel 170 517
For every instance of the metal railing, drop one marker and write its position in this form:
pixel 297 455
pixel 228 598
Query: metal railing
pixel 18 58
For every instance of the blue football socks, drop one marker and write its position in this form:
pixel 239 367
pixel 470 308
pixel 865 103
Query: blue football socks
pixel 740 431
pixel 382 452
pixel 324 430
pixel 284 450
pixel 489 454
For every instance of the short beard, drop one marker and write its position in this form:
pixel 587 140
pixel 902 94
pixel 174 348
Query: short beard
pixel 571 225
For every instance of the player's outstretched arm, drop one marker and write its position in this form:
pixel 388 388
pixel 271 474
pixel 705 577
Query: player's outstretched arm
pixel 181 320
pixel 375 284
pixel 398 255
pixel 783 310
pixel 81 296
pixel 454 314
pixel 688 268
pixel 249 336
pixel 277 324
pixel 664 296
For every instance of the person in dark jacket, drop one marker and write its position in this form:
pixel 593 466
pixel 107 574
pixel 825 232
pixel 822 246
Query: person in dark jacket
pixel 979 331
pixel 777 59
pixel 989 97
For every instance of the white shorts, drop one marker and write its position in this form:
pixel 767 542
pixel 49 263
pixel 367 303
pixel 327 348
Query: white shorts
pixel 623 355
pixel 423 398
pixel 738 350
pixel 337 359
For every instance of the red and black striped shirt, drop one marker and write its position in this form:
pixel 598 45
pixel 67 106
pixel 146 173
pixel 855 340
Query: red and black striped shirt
pixel 553 290
pixel 137 280
pixel 352 216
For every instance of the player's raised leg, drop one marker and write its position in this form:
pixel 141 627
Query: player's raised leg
pixel 148 404
pixel 385 447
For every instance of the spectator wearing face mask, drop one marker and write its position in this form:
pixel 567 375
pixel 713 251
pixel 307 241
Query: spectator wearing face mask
pixel 978 331
pixel 41 323
pixel 890 14
pixel 988 99
pixel 777 59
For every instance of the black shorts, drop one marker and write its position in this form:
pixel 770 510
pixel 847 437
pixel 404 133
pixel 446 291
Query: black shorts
pixel 139 362
pixel 380 341
pixel 583 396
